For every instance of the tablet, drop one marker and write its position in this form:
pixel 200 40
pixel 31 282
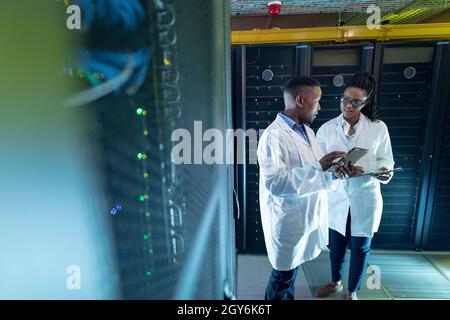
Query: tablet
pixel 353 155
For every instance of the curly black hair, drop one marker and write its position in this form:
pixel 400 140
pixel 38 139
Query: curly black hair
pixel 366 81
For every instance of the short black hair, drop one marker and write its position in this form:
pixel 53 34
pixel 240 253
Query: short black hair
pixel 293 85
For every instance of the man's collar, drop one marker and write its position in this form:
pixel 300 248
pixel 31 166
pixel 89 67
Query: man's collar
pixel 291 123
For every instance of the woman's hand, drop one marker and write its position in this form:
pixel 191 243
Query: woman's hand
pixel 341 172
pixel 385 176
pixel 354 170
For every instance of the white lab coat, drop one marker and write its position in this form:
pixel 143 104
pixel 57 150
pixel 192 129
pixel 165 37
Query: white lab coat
pixel 293 197
pixel 362 195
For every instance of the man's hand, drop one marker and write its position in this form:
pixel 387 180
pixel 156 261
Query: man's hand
pixel 333 158
pixel 384 177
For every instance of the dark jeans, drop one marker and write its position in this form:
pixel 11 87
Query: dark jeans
pixel 281 285
pixel 360 249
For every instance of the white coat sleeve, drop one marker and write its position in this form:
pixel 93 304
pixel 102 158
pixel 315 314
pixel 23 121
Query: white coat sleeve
pixel 385 157
pixel 301 181
pixel 321 140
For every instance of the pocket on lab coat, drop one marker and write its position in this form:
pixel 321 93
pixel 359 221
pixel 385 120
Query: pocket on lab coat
pixel 365 184
pixel 372 194
pixel 289 222
pixel 312 221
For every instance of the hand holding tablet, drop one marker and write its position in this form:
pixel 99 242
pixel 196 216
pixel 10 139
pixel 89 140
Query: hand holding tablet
pixel 352 157
pixel 381 174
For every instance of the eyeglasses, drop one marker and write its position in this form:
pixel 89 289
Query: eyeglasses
pixel 355 103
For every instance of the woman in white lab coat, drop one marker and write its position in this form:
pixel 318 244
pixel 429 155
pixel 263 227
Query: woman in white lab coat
pixel 355 205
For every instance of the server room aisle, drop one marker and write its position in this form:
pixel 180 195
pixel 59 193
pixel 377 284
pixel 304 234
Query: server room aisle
pixel 393 275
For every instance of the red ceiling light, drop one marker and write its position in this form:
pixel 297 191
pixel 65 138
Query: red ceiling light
pixel 274 8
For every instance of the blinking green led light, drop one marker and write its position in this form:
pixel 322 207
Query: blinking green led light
pixel 145 175
pixel 146 236
pixel 141 156
pixel 150 251
pixel 139 111
pixel 147 214
pixel 149 273
pixel 142 197
pixel 145 132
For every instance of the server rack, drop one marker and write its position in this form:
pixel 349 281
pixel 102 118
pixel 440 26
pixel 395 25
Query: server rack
pixel 406 73
pixel 173 236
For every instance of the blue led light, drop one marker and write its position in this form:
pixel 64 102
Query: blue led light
pixel 116 209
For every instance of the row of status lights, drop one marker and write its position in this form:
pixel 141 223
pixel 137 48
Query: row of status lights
pixel 141 112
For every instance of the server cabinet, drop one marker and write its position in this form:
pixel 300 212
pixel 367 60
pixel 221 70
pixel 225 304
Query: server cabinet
pixel 405 82
pixel 433 231
pixel 263 71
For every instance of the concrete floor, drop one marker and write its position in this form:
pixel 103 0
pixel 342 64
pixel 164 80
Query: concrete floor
pixel 402 275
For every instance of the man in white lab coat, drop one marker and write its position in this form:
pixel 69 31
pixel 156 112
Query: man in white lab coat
pixel 292 189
